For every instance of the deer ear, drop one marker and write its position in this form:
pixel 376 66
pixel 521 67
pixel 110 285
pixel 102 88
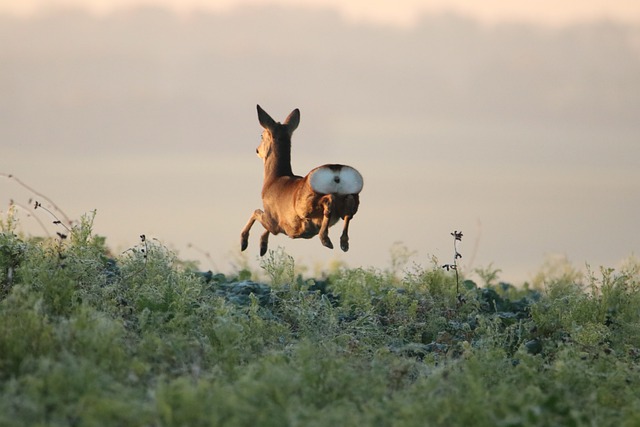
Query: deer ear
pixel 293 120
pixel 265 119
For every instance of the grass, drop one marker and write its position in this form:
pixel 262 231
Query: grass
pixel 143 340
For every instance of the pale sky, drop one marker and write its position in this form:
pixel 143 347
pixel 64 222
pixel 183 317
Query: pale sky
pixel 397 12
pixel 524 136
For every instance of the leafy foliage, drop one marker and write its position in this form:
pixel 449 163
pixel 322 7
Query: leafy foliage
pixel 87 339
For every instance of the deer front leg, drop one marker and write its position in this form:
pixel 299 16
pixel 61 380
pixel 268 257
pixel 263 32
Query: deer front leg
pixel 264 242
pixel 244 235
pixel 327 205
pixel 344 238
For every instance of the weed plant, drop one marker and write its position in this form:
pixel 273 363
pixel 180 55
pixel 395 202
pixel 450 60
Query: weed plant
pixel 139 339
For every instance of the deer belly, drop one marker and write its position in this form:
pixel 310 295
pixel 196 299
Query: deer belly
pixel 307 229
pixel 336 179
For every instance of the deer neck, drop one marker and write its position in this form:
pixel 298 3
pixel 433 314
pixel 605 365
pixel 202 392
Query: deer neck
pixel 278 163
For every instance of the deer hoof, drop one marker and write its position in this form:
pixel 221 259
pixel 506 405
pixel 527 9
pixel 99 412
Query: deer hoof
pixel 244 242
pixel 344 245
pixel 264 243
pixel 263 248
pixel 327 242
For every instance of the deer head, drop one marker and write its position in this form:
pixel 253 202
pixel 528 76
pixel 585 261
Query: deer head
pixel 274 131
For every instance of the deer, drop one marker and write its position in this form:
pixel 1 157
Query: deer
pixel 300 207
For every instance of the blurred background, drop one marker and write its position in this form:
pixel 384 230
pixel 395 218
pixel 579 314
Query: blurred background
pixel 516 122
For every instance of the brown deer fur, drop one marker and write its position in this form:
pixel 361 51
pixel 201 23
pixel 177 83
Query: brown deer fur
pixel 300 207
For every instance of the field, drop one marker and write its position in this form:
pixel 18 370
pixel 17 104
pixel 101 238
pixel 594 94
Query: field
pixel 143 339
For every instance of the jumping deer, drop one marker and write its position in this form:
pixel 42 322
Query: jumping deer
pixel 300 207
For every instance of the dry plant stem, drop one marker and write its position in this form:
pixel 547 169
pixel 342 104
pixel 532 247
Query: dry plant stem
pixel 457 237
pixel 37 193
pixel 145 251
pixel 56 220
pixel 38 220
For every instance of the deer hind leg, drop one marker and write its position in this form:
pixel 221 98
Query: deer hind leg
pixel 344 238
pixel 327 205
pixel 244 235
pixel 349 209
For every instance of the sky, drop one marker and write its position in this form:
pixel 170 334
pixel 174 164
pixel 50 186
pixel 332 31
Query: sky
pixel 397 12
pixel 514 122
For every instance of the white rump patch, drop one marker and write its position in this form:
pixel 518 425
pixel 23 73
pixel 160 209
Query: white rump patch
pixel 336 179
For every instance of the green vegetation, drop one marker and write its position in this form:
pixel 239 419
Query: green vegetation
pixel 142 340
